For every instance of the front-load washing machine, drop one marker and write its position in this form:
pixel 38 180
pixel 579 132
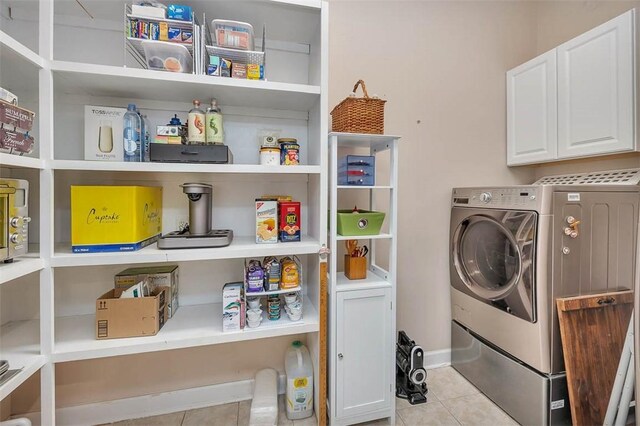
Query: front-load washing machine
pixel 513 251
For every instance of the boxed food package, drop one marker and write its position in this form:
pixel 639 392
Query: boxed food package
pixel 214 65
pixel 266 221
pixel 148 11
pixel 225 67
pixel 255 72
pixel 103 133
pixel 239 70
pixel 289 226
pixel 114 218
pixel 179 12
pixel 233 310
pixel 16 117
pixel 155 276
pixel 16 142
pixel 131 317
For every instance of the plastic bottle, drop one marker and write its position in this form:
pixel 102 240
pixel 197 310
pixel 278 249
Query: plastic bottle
pixel 215 129
pixel 196 124
pixel 147 137
pixel 299 370
pixel 131 134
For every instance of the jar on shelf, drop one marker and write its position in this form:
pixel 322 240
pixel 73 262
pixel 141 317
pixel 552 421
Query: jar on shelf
pixel 289 151
pixel 269 156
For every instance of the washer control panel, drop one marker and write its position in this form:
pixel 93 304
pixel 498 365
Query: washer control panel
pixel 510 197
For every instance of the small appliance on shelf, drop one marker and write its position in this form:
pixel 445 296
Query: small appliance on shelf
pixel 198 234
pixel 14 212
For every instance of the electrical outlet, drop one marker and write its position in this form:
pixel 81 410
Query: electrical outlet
pixel 181 223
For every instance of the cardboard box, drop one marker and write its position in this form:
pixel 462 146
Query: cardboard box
pixel 233 311
pixel 266 221
pixel 156 276
pixel 103 133
pixel 114 218
pixel 142 316
pixel 289 226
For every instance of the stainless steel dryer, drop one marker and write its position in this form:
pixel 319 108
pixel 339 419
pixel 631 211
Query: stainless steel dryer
pixel 513 251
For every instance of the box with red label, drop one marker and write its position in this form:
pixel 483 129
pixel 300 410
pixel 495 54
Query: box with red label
pixel 289 224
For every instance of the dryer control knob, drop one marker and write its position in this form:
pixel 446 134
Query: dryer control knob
pixel 486 197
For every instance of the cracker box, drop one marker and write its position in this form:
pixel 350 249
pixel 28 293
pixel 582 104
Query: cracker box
pixel 155 276
pixel 233 311
pixel 114 218
pixel 139 316
pixel 289 225
pixel 266 221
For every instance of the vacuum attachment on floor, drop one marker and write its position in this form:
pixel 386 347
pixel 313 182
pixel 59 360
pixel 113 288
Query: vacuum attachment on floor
pixel 411 375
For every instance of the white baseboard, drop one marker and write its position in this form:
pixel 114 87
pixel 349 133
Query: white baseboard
pixel 436 359
pixel 154 405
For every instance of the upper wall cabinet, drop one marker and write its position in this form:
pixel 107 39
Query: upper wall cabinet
pixel 532 120
pixel 577 100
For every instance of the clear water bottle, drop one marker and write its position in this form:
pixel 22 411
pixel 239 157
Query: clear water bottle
pixel 132 127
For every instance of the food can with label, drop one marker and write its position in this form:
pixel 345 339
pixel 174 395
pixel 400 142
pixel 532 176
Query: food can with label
pixel 289 150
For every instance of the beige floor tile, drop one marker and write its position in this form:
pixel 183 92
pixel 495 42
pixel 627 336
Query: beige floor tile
pixel 309 421
pixel 282 412
pixel 477 410
pixel 244 412
pixel 219 415
pixel 429 414
pixel 447 383
pixel 172 419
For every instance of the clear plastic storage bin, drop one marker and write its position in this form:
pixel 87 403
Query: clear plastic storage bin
pixel 166 56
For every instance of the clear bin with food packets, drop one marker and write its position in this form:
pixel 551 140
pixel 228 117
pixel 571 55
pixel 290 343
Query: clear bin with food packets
pixel 166 56
pixel 232 34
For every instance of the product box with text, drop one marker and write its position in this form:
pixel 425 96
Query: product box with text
pixel 103 133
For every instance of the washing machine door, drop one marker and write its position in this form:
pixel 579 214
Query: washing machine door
pixel 492 255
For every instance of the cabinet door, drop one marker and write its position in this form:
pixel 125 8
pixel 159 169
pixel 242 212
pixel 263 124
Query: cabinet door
pixel 532 111
pixel 596 90
pixel 364 348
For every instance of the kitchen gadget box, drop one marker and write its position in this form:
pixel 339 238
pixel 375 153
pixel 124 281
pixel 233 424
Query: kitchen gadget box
pixel 114 218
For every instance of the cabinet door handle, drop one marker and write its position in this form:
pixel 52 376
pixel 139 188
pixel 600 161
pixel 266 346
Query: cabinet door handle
pixel 340 356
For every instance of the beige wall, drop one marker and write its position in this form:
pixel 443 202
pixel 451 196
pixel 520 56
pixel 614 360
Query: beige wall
pixel 441 67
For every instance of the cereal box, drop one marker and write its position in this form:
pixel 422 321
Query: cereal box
pixel 289 221
pixel 266 221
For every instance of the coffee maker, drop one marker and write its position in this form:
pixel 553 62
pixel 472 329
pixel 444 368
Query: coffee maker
pixel 198 233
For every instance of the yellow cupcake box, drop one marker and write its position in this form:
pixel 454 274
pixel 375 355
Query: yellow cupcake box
pixel 114 218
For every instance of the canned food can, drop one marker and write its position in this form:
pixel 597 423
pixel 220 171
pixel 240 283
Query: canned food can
pixel 289 151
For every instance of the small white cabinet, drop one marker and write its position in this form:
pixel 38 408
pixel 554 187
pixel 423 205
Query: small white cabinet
pixel 577 100
pixel 532 104
pixel 596 91
pixel 363 351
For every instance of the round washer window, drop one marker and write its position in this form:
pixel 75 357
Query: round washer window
pixel 489 257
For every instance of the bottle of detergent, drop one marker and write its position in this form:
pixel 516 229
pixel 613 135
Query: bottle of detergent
pixel 299 371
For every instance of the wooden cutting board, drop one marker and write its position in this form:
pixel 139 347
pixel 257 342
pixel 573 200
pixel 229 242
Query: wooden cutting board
pixel 593 329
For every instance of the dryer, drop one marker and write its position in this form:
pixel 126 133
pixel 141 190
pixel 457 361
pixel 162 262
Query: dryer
pixel 513 251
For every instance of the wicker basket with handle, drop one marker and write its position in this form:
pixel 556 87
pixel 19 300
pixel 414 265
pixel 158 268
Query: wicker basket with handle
pixel 359 115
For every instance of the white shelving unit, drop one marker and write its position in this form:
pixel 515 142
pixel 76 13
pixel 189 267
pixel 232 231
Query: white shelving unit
pixel 362 312
pixel 54 68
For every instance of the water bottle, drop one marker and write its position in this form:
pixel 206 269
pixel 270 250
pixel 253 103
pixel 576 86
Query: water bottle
pixel 131 129
pixel 299 370
pixel 147 137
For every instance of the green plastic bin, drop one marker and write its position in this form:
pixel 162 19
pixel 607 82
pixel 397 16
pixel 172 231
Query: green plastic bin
pixel 357 224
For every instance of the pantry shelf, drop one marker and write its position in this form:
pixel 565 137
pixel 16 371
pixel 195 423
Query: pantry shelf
pixel 241 247
pixel 364 187
pixel 182 167
pixel 364 237
pixel 134 83
pixel 372 281
pixel 363 140
pixel 18 49
pixel 20 161
pixel 191 326
pixel 20 267
pixel 20 347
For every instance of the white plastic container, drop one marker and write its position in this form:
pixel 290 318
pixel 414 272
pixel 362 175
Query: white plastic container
pixel 299 370
pixel 167 56
pixel 264 405
pixel 232 34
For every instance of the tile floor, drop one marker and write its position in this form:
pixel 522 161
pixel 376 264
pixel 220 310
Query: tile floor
pixel 452 401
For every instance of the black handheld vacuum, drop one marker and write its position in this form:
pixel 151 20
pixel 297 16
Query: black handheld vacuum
pixel 411 375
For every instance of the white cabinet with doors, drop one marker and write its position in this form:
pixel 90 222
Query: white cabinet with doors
pixel 577 100
pixel 362 312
